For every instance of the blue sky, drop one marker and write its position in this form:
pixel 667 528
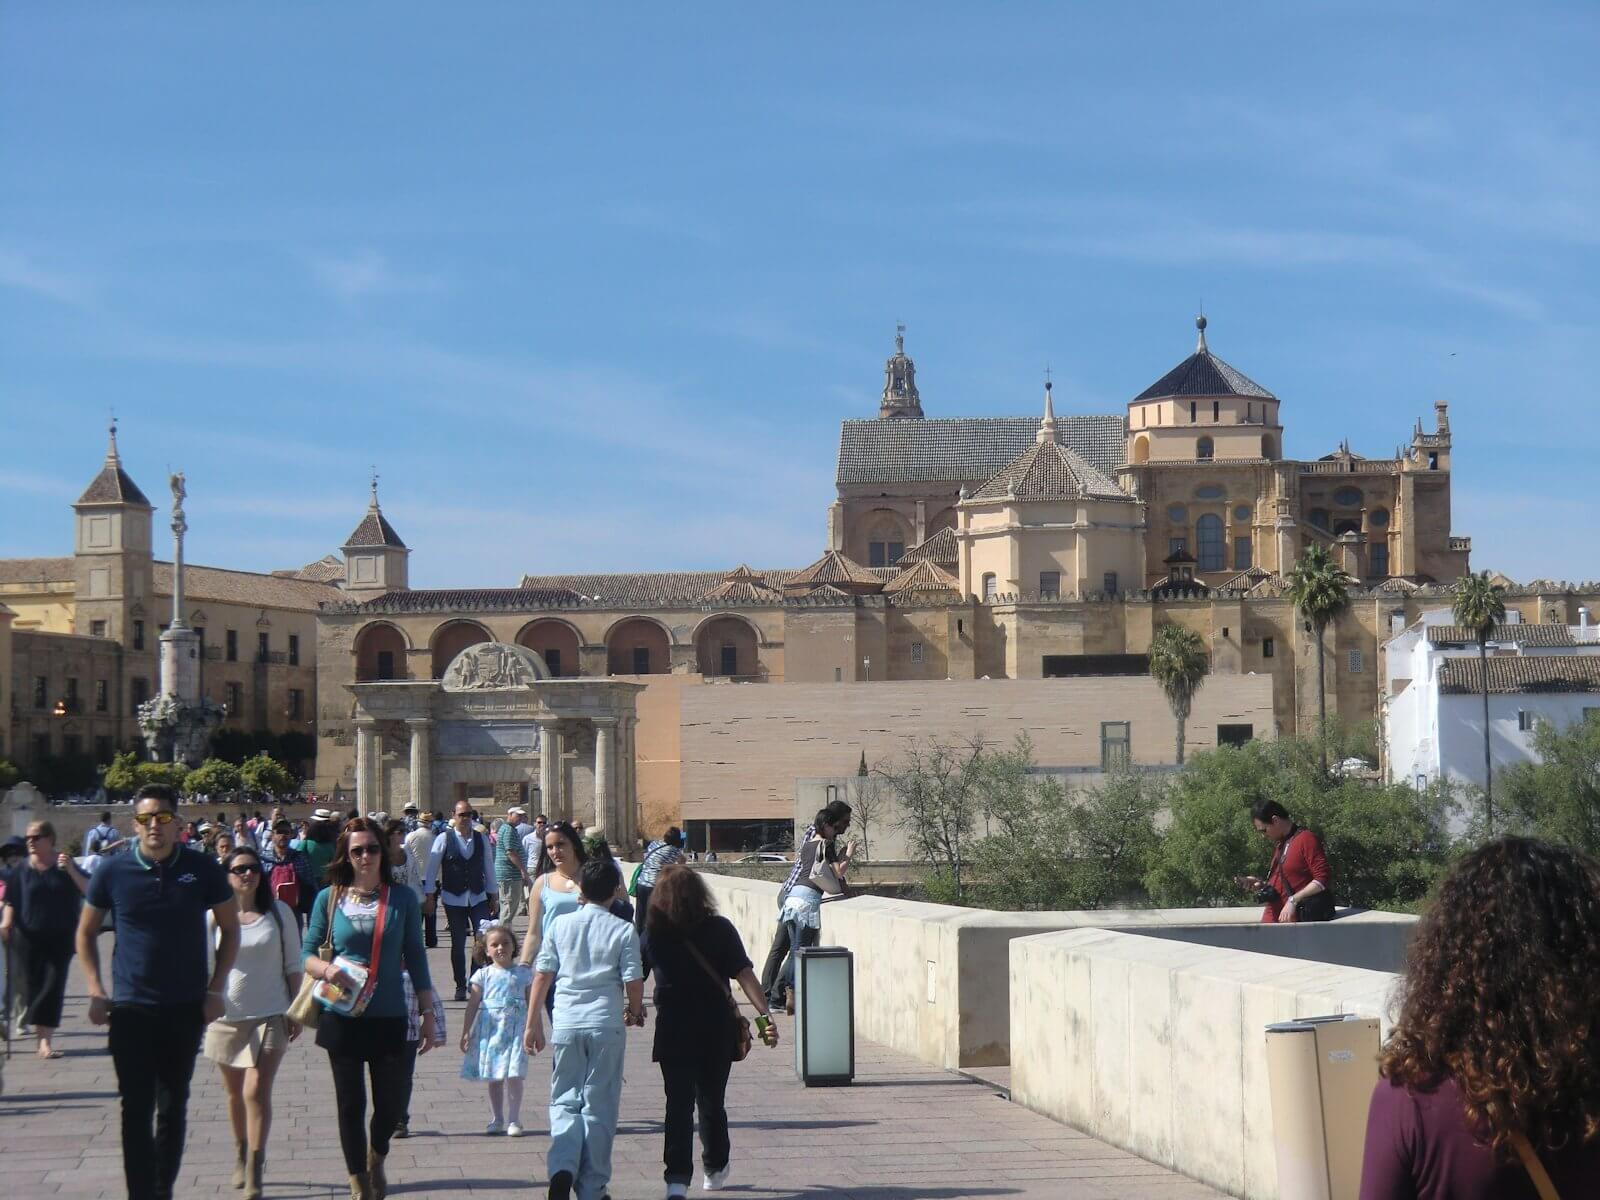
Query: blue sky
pixel 593 286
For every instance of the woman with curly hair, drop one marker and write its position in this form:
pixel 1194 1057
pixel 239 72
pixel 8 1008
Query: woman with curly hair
pixel 1492 1072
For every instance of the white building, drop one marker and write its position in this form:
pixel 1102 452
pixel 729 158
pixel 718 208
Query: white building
pixel 1433 702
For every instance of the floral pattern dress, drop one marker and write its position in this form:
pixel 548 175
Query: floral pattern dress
pixel 495 1051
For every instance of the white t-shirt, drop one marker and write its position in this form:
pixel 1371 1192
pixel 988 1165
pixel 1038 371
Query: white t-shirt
pixel 258 985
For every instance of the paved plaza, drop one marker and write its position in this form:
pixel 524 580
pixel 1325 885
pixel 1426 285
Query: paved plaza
pixel 905 1131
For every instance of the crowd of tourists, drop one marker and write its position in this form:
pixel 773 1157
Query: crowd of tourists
pixel 237 944
pixel 234 942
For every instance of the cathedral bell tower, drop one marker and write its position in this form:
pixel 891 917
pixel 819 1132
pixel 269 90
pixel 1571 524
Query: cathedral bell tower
pixel 111 553
pixel 375 558
pixel 900 400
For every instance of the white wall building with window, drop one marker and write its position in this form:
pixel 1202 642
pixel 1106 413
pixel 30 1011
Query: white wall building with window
pixel 1433 701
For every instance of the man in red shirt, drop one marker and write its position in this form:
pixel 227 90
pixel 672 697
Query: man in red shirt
pixel 1297 886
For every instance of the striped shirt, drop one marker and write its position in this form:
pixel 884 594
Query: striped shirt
pixel 660 854
pixel 799 865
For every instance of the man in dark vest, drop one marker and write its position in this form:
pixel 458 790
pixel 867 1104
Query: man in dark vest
pixel 460 868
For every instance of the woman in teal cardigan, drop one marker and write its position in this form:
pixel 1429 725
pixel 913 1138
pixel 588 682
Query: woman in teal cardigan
pixel 375 1040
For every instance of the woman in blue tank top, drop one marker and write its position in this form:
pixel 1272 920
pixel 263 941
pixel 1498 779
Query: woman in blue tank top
pixel 555 891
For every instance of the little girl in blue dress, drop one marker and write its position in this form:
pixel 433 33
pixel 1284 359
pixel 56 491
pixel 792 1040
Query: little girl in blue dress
pixel 491 1030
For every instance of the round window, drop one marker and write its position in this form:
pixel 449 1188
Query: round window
pixel 1348 497
pixel 1177 512
pixel 1379 517
pixel 1211 491
pixel 1241 512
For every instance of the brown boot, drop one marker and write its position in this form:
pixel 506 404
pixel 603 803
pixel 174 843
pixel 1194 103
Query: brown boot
pixel 360 1187
pixel 239 1165
pixel 252 1183
pixel 378 1185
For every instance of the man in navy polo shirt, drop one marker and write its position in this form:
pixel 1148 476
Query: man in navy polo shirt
pixel 162 996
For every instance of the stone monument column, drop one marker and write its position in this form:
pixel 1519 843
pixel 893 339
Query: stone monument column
pixel 604 754
pixel 366 764
pixel 628 781
pixel 421 763
pixel 550 770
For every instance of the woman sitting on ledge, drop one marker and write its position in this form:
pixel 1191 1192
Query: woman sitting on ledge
pixel 1492 1074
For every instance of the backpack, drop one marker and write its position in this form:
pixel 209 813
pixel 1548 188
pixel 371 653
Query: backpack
pixel 285 884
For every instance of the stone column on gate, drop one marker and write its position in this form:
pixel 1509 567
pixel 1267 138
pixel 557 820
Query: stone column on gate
pixel 366 764
pixel 604 756
pixel 627 781
pixel 421 730
pixel 550 770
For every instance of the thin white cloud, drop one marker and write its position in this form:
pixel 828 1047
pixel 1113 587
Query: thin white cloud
pixel 365 274
pixel 21 272
pixel 32 484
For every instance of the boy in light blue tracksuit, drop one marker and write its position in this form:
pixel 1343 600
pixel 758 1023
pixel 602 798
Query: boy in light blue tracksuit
pixel 591 958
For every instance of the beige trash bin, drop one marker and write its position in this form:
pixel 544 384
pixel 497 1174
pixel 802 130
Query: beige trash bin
pixel 1321 1072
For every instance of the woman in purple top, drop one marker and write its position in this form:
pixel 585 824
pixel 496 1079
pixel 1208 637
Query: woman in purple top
pixel 1498 1036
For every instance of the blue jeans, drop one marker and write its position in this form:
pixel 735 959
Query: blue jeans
pixel 800 936
pixel 585 1096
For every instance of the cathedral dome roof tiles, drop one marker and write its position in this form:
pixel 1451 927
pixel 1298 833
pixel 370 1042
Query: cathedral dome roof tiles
pixel 1203 374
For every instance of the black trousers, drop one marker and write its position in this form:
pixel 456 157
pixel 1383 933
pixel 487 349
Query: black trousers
pixel 692 1083
pixel 360 1048
pixel 463 926
pixel 411 1074
pixel 775 957
pixel 153 1049
pixel 430 928
pixel 47 957
pixel 641 909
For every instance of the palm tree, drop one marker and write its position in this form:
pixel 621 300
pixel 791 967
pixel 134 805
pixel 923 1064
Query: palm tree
pixel 1479 606
pixel 1320 591
pixel 1178 663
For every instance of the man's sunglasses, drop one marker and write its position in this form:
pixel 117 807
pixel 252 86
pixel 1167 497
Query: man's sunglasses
pixel 243 871
pixel 159 818
pixel 365 849
pixel 37 837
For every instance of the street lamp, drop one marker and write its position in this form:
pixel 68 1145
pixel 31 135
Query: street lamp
pixel 824 1023
pixel 867 663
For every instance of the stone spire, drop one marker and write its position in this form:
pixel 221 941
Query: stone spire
pixel 1047 427
pixel 1200 342
pixel 900 400
pixel 112 485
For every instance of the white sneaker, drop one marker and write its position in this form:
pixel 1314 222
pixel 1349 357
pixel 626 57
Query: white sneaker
pixel 715 1181
pixel 513 1130
pixel 675 1191
pixel 494 1127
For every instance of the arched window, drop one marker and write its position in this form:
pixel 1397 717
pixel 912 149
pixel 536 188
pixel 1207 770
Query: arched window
pixel 1269 449
pixel 1348 497
pixel 1378 518
pixel 1319 518
pixel 1205 449
pixel 990 586
pixel 1208 535
pixel 1141 449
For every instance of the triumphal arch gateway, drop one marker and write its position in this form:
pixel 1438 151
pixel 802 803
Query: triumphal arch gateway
pixel 496 728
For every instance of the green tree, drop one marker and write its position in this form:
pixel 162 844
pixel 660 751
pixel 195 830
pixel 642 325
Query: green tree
pixel 1386 844
pixel 1558 797
pixel 1480 606
pixel 122 775
pixel 1320 591
pixel 264 775
pixel 214 777
pixel 1178 664
pixel 170 774
pixel 9 774
pixel 935 786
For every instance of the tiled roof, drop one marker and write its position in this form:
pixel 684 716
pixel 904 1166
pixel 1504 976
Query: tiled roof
pixel 327 569
pixel 243 587
pixel 940 548
pixel 112 486
pixel 743 586
pixel 1522 635
pixel 36 570
pixel 923 577
pixel 375 530
pixel 965 449
pixel 464 600
pixel 1203 374
pixel 834 568
pixel 645 589
pixel 1250 580
pixel 823 596
pixel 1049 471
pixel 1522 673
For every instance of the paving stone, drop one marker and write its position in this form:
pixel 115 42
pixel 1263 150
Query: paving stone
pixel 905 1132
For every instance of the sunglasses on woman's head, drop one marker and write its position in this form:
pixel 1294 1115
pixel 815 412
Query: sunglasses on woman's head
pixel 160 818
pixel 365 849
